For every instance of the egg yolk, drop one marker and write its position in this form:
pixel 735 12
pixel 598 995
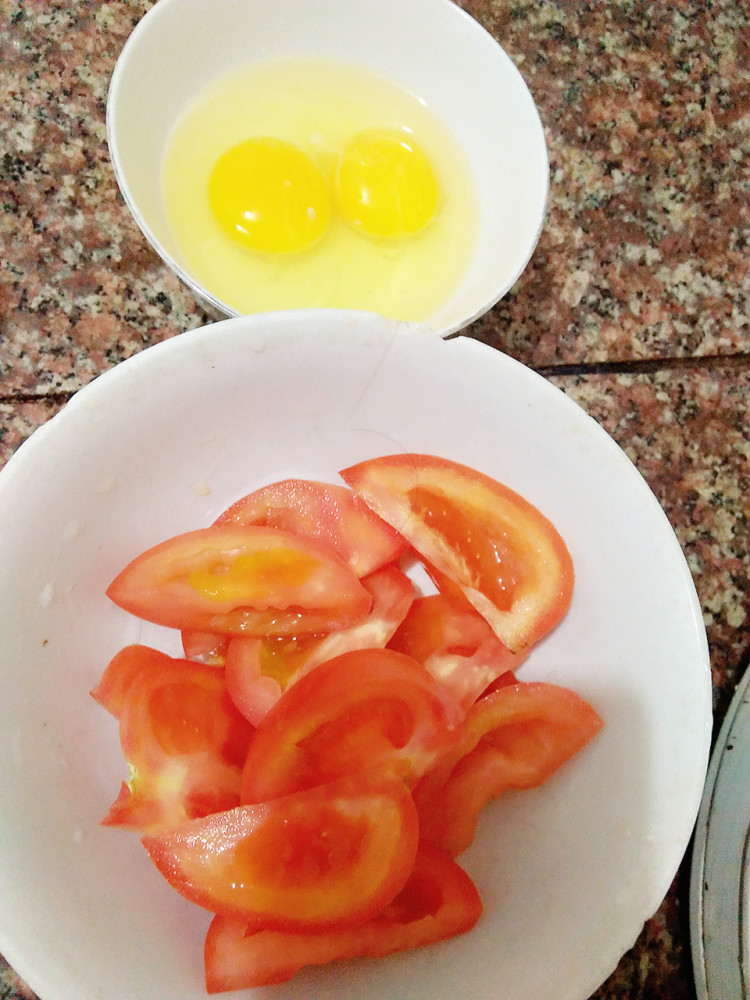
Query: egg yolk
pixel 269 196
pixel 386 186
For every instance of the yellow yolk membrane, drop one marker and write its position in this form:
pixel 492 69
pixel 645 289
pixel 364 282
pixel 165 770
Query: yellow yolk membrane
pixel 386 186
pixel 269 196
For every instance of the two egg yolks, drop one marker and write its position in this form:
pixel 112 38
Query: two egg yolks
pixel 271 197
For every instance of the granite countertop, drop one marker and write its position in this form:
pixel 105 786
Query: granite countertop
pixel 636 302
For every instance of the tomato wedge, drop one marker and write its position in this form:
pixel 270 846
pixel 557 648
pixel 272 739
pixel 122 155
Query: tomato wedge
pixel 326 857
pixel 259 670
pixel 184 740
pixel 456 645
pixel 369 709
pixel 515 737
pixel 506 556
pixel 120 672
pixel 253 581
pixel 326 511
pixel 438 901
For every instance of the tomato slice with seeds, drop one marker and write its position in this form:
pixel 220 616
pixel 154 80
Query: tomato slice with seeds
pixel 508 558
pixel 515 737
pixel 252 581
pixel 183 738
pixel 438 901
pixel 326 511
pixel 330 856
pixel 259 670
pixel 368 709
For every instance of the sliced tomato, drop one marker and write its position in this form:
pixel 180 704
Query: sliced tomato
pixel 369 709
pixel 208 647
pixel 252 690
pixel 456 645
pixel 184 740
pixel 438 901
pixel 515 737
pixel 121 671
pixel 259 670
pixel 508 558
pixel 328 512
pixel 326 857
pixel 253 581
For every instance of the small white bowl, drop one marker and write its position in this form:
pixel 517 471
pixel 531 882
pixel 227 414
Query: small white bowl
pixel 162 444
pixel 430 47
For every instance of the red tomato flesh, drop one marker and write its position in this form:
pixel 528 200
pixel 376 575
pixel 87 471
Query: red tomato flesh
pixel 326 857
pixel 331 513
pixel 455 644
pixel 183 738
pixel 252 581
pixel 120 673
pixel 515 737
pixel 363 710
pixel 260 670
pixel 508 559
pixel 438 901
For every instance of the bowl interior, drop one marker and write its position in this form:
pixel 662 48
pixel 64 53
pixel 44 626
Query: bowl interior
pixel 163 443
pixel 430 47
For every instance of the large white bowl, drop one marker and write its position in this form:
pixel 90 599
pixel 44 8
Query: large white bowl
pixel 430 47
pixel 165 441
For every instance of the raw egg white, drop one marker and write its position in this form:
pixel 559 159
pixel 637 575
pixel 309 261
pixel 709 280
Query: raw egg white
pixel 309 183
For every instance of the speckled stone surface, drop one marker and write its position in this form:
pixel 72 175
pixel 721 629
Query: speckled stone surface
pixel 636 302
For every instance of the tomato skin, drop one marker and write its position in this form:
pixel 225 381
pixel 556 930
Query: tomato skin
pixel 455 644
pixel 438 901
pixel 327 857
pixel 368 709
pixel 258 671
pixel 515 737
pixel 183 738
pixel 508 558
pixel 251 581
pixel 326 511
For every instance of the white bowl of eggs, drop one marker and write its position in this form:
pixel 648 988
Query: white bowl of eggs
pixel 344 154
